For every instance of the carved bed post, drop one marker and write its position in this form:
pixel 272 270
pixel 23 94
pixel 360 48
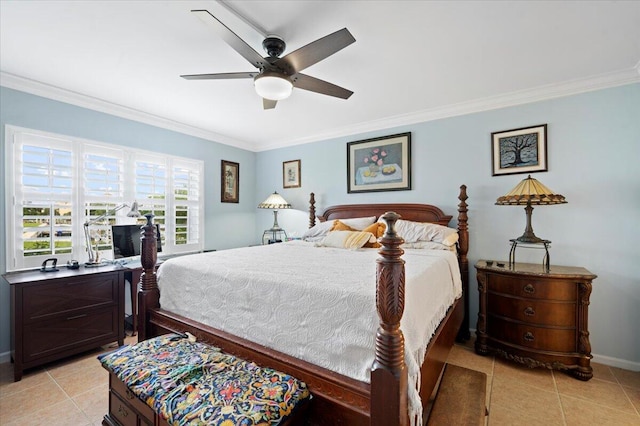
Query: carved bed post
pixel 312 210
pixel 389 372
pixel 149 294
pixel 463 249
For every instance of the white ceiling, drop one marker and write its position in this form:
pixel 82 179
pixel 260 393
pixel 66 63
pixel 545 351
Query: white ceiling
pixel 412 60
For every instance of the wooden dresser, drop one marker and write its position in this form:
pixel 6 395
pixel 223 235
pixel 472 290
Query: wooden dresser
pixel 62 313
pixel 535 317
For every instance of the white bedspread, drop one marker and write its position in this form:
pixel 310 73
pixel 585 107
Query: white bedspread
pixel 314 303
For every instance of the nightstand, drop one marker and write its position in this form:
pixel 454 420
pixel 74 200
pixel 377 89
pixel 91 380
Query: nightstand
pixel 271 236
pixel 535 317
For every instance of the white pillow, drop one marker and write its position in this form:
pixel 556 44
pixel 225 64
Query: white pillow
pixel 412 232
pixel 441 234
pixel 321 229
pixel 427 245
pixel 351 240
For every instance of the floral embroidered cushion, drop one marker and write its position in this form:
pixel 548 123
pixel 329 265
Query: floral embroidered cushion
pixel 189 382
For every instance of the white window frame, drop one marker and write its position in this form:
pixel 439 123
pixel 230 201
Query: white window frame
pixel 77 198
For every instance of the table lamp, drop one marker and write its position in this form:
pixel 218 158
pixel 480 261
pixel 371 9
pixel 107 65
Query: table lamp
pixel 274 202
pixel 528 192
pixel 94 257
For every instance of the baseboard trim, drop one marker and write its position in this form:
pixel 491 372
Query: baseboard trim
pixel 616 362
pixel 5 357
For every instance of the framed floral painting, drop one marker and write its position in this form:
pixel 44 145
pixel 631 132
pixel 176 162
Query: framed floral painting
pixel 379 164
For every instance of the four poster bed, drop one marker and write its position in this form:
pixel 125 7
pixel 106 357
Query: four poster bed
pixel 338 397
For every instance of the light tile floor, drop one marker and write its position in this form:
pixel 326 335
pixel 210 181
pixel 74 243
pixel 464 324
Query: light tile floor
pixel 75 392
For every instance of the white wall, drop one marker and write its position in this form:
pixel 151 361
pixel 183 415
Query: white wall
pixel 593 155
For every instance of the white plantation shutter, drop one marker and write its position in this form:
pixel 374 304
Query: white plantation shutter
pixel 44 180
pixel 186 193
pixel 54 184
pixel 151 188
pixel 102 191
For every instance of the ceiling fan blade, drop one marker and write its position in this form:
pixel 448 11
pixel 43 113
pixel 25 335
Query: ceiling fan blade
pixel 306 82
pixel 231 38
pixel 268 103
pixel 315 51
pixel 220 76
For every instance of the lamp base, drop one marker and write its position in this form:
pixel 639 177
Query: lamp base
pixel 93 264
pixel 530 238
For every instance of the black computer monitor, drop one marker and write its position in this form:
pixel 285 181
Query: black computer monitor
pixel 126 240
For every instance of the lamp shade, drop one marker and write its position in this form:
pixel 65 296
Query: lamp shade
pixel 134 212
pixel 274 201
pixel 273 86
pixel 530 191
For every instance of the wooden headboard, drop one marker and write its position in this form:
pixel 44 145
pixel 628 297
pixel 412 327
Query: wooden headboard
pixel 413 212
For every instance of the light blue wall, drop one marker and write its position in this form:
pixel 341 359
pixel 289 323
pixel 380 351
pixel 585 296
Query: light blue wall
pixel 593 140
pixel 593 155
pixel 34 112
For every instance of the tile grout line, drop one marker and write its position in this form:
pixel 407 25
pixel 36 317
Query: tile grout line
pixel 624 391
pixel 493 376
pixel 555 385
pixel 89 422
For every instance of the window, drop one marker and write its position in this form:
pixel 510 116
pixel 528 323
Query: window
pixel 56 183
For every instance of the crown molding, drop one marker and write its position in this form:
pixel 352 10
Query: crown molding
pixel 541 93
pixel 37 88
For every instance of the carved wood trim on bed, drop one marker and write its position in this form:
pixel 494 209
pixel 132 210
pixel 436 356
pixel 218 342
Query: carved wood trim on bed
pixel 338 399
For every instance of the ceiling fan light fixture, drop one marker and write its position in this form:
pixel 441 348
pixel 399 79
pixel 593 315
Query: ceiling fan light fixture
pixel 273 86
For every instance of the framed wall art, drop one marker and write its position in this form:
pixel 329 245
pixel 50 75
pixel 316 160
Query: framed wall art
pixel 230 182
pixel 519 150
pixel 379 164
pixel 291 174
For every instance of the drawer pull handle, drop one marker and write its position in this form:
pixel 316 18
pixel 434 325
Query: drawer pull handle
pixel 123 411
pixel 76 317
pixel 130 394
pixel 529 289
pixel 529 311
pixel 528 336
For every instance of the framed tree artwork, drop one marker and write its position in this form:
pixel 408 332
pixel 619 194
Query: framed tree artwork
pixel 230 182
pixel 519 150
pixel 291 174
pixel 379 164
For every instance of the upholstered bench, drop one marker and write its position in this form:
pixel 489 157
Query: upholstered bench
pixel 174 380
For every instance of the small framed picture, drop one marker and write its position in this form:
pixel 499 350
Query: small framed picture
pixel 519 150
pixel 230 182
pixel 379 164
pixel 291 174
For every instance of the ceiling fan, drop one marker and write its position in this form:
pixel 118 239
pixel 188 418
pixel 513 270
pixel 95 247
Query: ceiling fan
pixel 277 76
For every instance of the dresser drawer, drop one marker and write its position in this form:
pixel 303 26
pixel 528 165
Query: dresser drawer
pixel 122 412
pixel 118 387
pixel 44 338
pixel 548 339
pixel 533 288
pixel 533 311
pixel 63 297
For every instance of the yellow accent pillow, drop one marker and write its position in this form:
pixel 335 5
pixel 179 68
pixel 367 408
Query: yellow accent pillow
pixel 351 240
pixel 341 226
pixel 377 229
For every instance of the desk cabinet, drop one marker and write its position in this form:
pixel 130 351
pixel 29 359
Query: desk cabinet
pixel 535 317
pixel 58 314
